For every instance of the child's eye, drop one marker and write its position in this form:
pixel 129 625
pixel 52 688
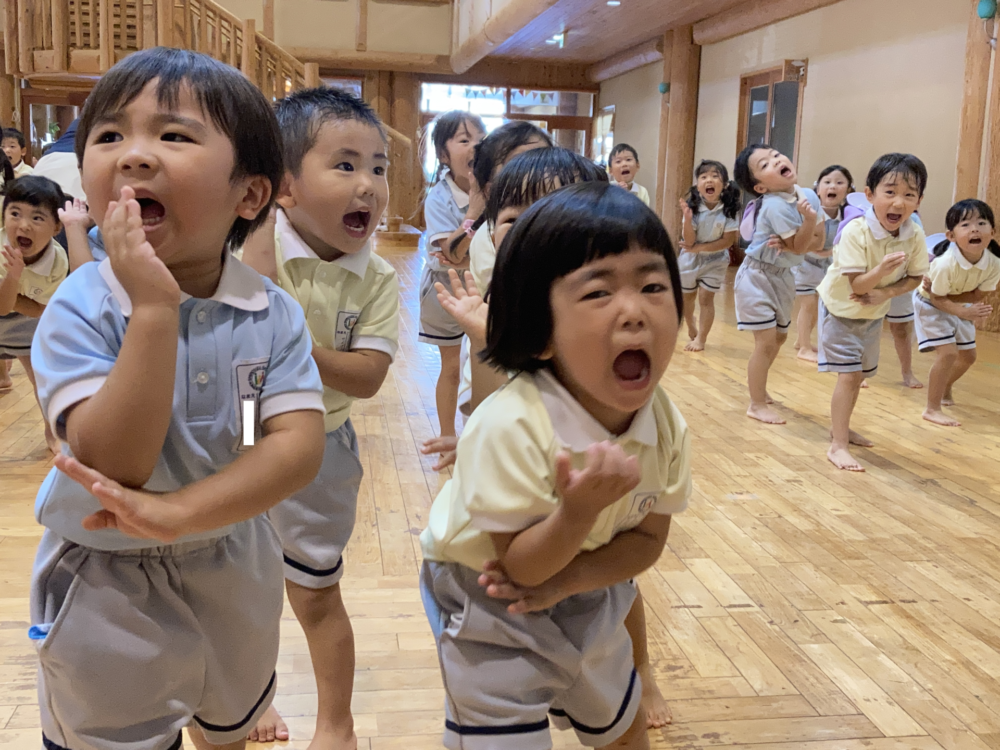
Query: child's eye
pixel 175 138
pixel 654 288
pixel 108 136
pixel 596 294
pixel 345 166
pixel 379 171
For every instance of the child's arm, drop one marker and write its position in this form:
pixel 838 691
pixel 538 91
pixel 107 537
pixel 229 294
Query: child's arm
pixel 284 461
pixel 975 312
pixel 879 295
pixel 259 251
pixel 976 295
pixel 863 283
pixel 77 222
pixel 477 205
pixel 811 233
pixel 14 263
pixel 724 243
pixel 536 554
pixel 689 234
pixel 358 373
pixel 28 306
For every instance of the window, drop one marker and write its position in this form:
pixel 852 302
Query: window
pixel 771 108
pixel 350 85
pixel 604 135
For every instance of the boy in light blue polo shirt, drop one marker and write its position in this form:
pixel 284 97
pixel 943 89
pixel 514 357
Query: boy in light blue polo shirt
pixel 183 388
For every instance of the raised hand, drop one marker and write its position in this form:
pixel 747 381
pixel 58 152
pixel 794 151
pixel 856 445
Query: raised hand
pixel 464 304
pixel 608 474
pixel 13 261
pixel 686 210
pixel 477 199
pixel 75 214
pixel 806 210
pixel 891 262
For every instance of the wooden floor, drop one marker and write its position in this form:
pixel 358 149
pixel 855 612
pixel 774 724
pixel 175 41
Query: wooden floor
pixel 797 607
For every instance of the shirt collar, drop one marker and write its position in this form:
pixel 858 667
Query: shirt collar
pixel 982 264
pixel 293 246
pixel 239 286
pixel 879 232
pixel 43 266
pixel 461 197
pixel 577 429
pixel 634 187
pixel 790 197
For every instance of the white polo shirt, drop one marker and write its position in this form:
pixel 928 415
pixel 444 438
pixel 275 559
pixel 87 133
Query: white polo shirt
pixel 444 212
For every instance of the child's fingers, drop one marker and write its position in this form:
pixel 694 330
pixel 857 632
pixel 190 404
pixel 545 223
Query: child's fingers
pixel 102 519
pixel 564 467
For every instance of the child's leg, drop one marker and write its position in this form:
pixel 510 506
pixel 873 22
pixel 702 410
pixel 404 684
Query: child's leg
pixel 447 387
pixel 902 337
pixel 804 325
pixel 940 377
pixel 201 743
pixel 5 381
pixel 50 439
pixel 845 396
pixel 706 300
pixel 690 299
pixel 966 359
pixel 636 738
pixel 653 707
pixel 767 343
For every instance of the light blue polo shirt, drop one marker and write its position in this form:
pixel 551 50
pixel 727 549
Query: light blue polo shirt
pixel 444 212
pixel 96 240
pixel 779 215
pixel 248 341
pixel 710 225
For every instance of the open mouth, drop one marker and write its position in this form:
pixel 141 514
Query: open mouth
pixel 975 241
pixel 357 223
pixel 24 243
pixel 894 218
pixel 832 196
pixel 152 212
pixel 786 171
pixel 631 368
pixel 710 191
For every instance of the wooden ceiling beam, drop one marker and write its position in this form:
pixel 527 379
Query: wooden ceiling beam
pixel 402 62
pixel 750 17
pixel 630 59
pixel 496 30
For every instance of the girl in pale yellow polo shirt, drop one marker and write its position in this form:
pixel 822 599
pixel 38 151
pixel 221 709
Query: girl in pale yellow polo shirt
pixel 565 480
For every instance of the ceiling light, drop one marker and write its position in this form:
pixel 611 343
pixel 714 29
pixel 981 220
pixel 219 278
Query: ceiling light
pixel 614 3
pixel 559 39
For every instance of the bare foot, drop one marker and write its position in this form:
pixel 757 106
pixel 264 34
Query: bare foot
pixel 768 398
pixel 696 345
pixel 948 400
pixel 864 383
pixel 658 713
pixel 764 414
pixel 939 417
pixel 332 740
pixel 5 382
pixel 692 332
pixel 842 459
pixel 856 438
pixel 270 727
pixel 911 382
pixel 807 354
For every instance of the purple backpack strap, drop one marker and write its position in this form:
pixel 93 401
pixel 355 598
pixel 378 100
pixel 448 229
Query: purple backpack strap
pixel 747 225
pixel 850 214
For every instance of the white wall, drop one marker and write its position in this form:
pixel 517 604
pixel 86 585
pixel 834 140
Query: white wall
pixel 884 75
pixel 636 97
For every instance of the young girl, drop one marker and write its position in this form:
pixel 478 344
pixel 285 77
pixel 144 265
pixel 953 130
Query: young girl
pixel 565 479
pixel 949 303
pixel 764 288
pixel 452 204
pixel 833 186
pixel 711 223
pixel 34 267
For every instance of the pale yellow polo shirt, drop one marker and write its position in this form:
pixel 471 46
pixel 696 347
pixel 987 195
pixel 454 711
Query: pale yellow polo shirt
pixel 640 192
pixel 952 273
pixel 504 477
pixel 482 257
pixel 40 280
pixel 351 303
pixel 23 169
pixel 863 244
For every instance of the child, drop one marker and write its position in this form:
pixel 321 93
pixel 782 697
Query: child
pixel 879 256
pixel 586 459
pixel 900 317
pixel 182 385
pixel 351 300
pixel 965 267
pixel 765 288
pixel 35 265
pixel 711 223
pixel 15 147
pixel 623 163
pixel 452 206
pixel 834 184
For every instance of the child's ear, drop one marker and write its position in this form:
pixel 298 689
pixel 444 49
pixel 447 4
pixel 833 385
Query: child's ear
pixel 284 198
pixel 256 197
pixel 759 189
pixel 950 235
pixel 869 194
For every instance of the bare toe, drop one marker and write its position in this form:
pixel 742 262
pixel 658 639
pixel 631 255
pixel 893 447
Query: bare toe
pixel 939 417
pixel 842 459
pixel 764 414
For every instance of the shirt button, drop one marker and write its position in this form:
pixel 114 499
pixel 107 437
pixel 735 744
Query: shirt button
pixel 202 377
pixel 202 316
pixel 316 313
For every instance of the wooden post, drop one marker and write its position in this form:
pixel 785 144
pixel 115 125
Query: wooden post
pixel 203 42
pixel 661 155
pixel 406 177
pixel 60 34
pixel 249 62
pixel 106 35
pixel 973 115
pixel 684 71
pixel 312 75
pixel 165 23
pixel 7 101
pixel 10 34
pixel 361 27
pixel 269 19
pixel 25 36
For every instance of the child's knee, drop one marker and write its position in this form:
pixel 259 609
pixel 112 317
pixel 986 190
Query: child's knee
pixel 967 356
pixel 947 354
pixel 314 605
pixel 852 379
pixel 706 298
pixel 900 331
pixel 635 737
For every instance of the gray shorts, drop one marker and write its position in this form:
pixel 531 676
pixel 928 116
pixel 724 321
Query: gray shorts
pixel 316 523
pixel 134 645
pixel 16 333
pixel 705 270
pixel 847 344
pixel 505 675
pixel 436 325
pixel 764 295
pixel 808 274
pixel 900 309
pixel 937 328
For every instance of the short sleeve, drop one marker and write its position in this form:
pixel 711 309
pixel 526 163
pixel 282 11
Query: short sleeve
pixel 440 213
pixel 992 278
pixel 940 276
pixel 292 382
pixel 377 328
pixel 783 218
pixel 678 486
pixel 850 252
pixel 732 225
pixel 42 292
pixel 918 264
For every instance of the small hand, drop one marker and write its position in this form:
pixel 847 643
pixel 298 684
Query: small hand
pixel 135 513
pixel 464 304
pixel 891 262
pixel 623 184
pixel 524 600
pixel 13 261
pixel 776 243
pixel 447 449
pixel 447 262
pixel 977 312
pixel 806 210
pixel 609 474
pixel 874 297
pixel 927 283
pixel 75 214
pixel 686 210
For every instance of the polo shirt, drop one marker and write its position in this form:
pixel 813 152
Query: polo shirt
pixel 779 214
pixel 952 273
pixel 444 212
pixel 40 280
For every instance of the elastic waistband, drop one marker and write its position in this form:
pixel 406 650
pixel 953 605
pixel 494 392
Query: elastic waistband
pixel 768 267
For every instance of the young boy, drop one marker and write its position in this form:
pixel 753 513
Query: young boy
pixel 183 386
pixel 880 256
pixel 624 166
pixel 324 259
pixel 15 147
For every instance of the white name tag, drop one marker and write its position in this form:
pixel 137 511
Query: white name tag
pixel 346 320
pixel 248 375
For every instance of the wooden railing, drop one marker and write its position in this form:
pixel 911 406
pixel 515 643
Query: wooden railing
pixel 87 37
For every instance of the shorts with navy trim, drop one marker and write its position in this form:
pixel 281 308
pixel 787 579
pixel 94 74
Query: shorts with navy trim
pixel 506 675
pixel 900 309
pixel 847 344
pixel 764 296
pixel 436 325
pixel 704 270
pixel 808 274
pixel 134 645
pixel 16 334
pixel 937 328
pixel 316 523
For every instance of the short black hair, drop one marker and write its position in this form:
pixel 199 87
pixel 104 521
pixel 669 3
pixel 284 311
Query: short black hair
pixel 962 211
pixel 530 176
pixel 304 113
pixel 225 95
pixel 446 126
pixel 497 147
pixel 15 133
pixel 621 148
pixel 36 191
pixel 560 233
pixel 742 174
pixel 907 166
pixel 837 168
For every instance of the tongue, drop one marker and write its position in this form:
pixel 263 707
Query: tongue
pixel 631 365
pixel 151 210
pixel 24 242
pixel 355 220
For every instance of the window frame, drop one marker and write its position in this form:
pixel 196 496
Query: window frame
pixel 787 71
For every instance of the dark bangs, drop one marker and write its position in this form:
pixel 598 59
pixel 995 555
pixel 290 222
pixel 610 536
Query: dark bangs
pixel 225 95
pixel 970 208
pixel 559 234
pixel 531 176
